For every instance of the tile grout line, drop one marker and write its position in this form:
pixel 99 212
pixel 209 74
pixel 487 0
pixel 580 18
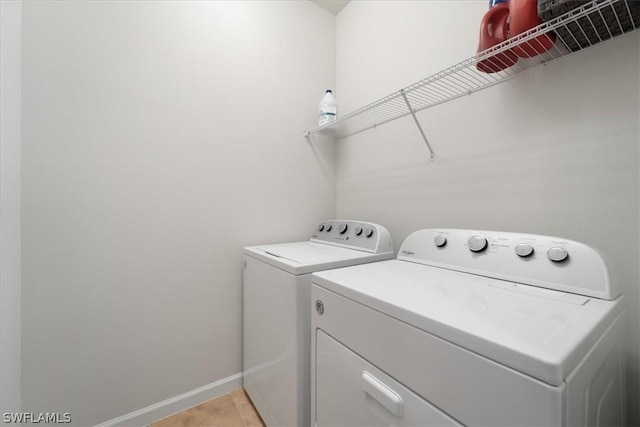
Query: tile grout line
pixel 248 412
pixel 235 403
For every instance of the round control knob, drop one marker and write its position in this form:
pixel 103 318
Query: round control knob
pixel 368 232
pixel 321 227
pixel 524 249
pixel 440 240
pixel 477 244
pixel 328 228
pixel 343 228
pixel 359 231
pixel 557 253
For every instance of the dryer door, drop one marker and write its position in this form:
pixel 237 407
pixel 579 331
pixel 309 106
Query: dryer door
pixel 351 391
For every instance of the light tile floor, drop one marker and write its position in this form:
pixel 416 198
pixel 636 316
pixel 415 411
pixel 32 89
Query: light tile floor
pixel 229 410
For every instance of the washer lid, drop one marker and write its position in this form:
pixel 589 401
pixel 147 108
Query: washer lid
pixel 540 332
pixel 308 252
pixel 306 257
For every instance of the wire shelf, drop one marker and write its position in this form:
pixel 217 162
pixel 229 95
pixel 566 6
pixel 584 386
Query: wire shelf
pixel 579 29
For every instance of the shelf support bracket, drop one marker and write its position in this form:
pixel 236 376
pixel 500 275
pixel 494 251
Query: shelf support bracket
pixel 432 156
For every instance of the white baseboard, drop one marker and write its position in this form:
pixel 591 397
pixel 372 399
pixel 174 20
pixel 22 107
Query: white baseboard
pixel 157 411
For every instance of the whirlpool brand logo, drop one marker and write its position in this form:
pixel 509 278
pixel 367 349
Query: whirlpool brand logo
pixel 409 253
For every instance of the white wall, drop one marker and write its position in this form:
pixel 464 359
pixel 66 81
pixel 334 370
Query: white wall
pixel 553 151
pixel 159 138
pixel 10 45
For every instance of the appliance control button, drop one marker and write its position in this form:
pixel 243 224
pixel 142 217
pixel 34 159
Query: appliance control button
pixel 343 228
pixel 557 253
pixel 477 244
pixel 368 232
pixel 321 227
pixel 359 231
pixel 440 240
pixel 328 228
pixel 524 249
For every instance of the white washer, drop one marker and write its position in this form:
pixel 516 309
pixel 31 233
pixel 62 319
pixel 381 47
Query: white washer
pixel 469 328
pixel 277 281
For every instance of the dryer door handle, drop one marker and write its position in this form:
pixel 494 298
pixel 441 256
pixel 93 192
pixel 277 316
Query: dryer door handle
pixel 382 393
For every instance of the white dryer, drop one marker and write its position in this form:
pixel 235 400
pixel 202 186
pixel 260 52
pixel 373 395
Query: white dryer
pixel 276 285
pixel 469 328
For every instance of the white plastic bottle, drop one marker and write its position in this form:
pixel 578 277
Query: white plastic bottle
pixel 328 109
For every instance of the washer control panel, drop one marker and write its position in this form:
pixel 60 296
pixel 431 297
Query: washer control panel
pixel 360 235
pixel 544 261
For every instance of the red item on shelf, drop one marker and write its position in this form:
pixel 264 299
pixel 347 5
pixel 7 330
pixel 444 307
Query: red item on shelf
pixel 524 16
pixel 494 29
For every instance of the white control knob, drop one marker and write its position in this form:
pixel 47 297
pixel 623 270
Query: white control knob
pixel 477 244
pixel 343 228
pixel 358 231
pixel 524 249
pixel 368 232
pixel 328 228
pixel 321 227
pixel 440 240
pixel 557 253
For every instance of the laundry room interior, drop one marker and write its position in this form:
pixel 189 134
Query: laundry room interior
pixel 145 144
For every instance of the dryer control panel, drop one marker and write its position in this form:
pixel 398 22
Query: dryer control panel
pixel 543 261
pixel 360 235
